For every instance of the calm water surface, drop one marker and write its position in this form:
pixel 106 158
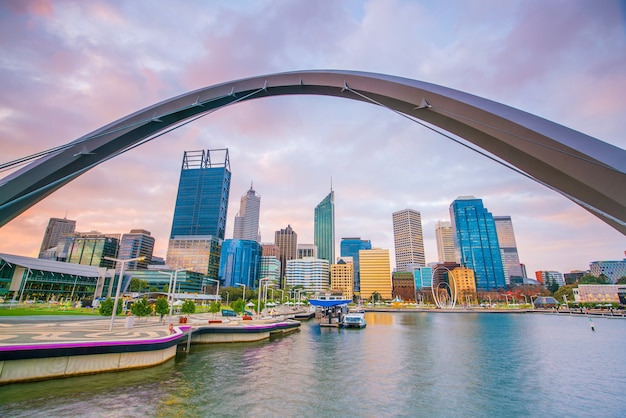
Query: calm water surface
pixel 401 365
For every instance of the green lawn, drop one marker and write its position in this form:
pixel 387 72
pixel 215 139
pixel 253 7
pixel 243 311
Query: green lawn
pixel 46 310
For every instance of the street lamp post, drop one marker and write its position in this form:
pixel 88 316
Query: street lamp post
pixel 258 304
pixel 244 295
pixel 174 291
pixel 119 283
pixel 532 302
pixel 227 296
pixel 169 285
pixel 282 295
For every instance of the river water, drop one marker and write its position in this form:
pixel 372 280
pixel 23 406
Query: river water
pixel 400 365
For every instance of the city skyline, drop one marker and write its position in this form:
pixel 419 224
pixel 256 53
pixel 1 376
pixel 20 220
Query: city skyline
pixel 290 146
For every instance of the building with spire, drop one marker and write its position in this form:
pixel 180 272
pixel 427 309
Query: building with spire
pixel 324 228
pixel 247 220
pixel 408 239
pixel 476 242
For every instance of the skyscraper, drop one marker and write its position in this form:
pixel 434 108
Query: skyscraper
pixel 350 247
pixel 200 214
pixel 324 228
pixel 445 242
pixel 375 273
pixel 202 199
pixel 137 243
pixel 287 241
pixel 408 238
pixel 247 220
pixel 508 248
pixel 476 241
pixel 57 228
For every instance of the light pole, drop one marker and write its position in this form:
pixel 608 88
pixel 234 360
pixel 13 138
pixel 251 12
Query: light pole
pixel 244 295
pixel 532 302
pixel 258 304
pixel 169 286
pixel 282 295
pixel 227 296
pixel 119 283
pixel 217 291
pixel 174 291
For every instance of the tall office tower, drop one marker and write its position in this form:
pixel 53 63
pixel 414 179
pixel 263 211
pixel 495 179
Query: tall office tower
pixel 408 238
pixel 476 242
pixel 350 247
pixel 200 214
pixel 342 277
pixel 247 220
pixel 375 273
pixel 324 228
pixel 137 243
pixel 202 199
pixel 93 248
pixel 311 273
pixel 57 229
pixel 508 249
pixel 445 242
pixel 240 263
pixel 287 241
pixel 307 250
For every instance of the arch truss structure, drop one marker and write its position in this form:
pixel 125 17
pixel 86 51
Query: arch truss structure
pixel 445 294
pixel 588 171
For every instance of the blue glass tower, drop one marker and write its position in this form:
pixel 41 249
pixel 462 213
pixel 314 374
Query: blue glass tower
pixel 202 199
pixel 476 242
pixel 350 248
pixel 240 262
pixel 324 228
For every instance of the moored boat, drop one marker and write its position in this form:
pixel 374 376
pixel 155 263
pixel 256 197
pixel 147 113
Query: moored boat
pixel 354 320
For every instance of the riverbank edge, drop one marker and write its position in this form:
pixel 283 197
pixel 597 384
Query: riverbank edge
pixel 33 362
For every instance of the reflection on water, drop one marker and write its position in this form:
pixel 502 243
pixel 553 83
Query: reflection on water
pixel 400 365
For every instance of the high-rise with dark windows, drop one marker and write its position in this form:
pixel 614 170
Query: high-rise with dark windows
pixel 199 222
pixel 202 199
pixel 476 241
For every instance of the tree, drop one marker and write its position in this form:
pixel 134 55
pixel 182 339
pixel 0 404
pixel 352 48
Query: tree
pixel 552 286
pixel 161 307
pixel 106 307
pixel 590 279
pixel 567 290
pixel 141 308
pixel 188 307
pixel 238 305
pixel 621 280
pixel 137 285
pixel 215 307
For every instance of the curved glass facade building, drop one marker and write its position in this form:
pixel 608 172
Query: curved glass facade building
pixel 476 241
pixel 240 262
pixel 324 228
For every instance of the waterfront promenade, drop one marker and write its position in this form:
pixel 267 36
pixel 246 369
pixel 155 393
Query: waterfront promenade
pixel 36 348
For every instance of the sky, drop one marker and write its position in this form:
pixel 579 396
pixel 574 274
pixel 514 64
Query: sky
pixel 69 67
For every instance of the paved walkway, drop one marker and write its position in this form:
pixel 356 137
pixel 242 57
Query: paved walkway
pixel 33 330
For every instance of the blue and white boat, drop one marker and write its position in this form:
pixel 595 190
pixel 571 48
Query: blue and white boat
pixel 354 320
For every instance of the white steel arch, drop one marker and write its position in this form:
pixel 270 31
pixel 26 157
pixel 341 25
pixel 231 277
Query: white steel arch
pixel 588 171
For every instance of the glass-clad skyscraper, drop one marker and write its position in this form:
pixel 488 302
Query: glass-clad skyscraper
pixel 508 249
pixel 476 242
pixel 324 228
pixel 350 247
pixel 202 199
pixel 240 262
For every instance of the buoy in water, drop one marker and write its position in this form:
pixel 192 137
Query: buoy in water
pixel 591 325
